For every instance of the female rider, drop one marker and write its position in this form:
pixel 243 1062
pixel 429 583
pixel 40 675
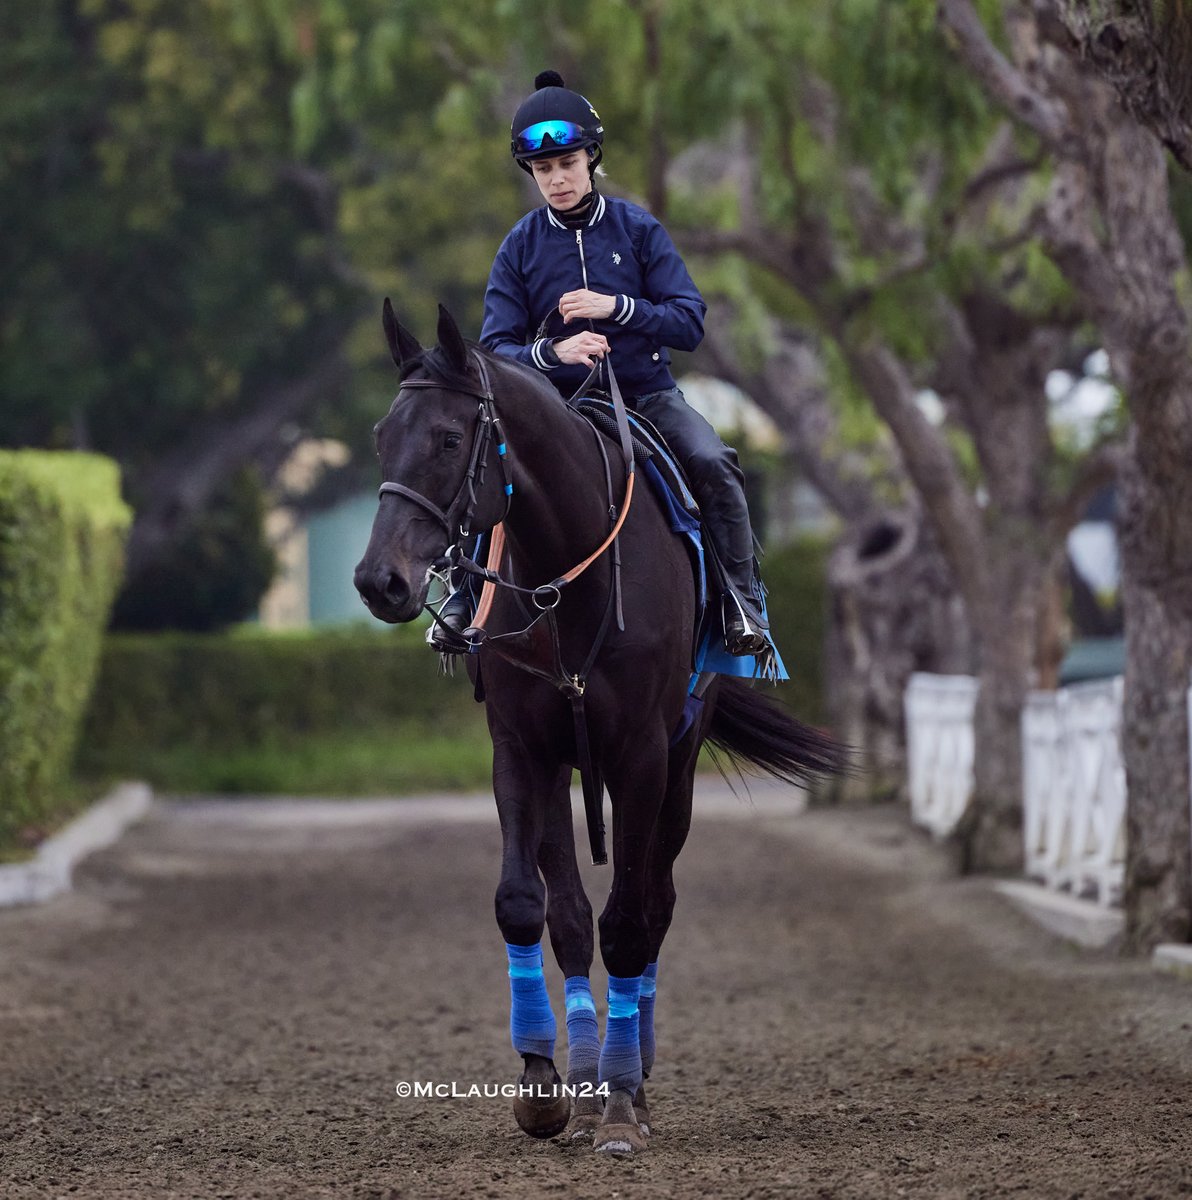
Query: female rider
pixel 607 269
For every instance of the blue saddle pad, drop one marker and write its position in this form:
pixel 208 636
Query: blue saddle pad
pixel 661 470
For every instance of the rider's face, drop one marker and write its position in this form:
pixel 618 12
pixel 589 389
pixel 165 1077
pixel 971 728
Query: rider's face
pixel 563 180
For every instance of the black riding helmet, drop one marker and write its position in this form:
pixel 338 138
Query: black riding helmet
pixel 554 120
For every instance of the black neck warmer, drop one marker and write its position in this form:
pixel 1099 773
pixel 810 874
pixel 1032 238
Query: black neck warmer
pixel 576 217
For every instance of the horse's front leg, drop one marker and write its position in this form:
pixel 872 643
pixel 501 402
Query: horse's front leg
pixel 637 787
pixel 569 919
pixel 523 791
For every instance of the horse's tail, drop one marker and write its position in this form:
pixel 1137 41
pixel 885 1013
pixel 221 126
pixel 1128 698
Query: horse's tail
pixel 753 729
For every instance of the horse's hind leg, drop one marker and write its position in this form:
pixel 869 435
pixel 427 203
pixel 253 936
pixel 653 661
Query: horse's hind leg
pixel 524 790
pixel 569 919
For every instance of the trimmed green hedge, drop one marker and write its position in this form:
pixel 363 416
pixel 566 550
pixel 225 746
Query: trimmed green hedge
pixel 163 700
pixel 236 691
pixel 62 530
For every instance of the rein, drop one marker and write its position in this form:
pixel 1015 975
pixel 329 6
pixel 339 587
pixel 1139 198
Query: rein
pixel 546 597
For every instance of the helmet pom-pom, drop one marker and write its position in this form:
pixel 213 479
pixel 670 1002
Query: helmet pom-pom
pixel 545 79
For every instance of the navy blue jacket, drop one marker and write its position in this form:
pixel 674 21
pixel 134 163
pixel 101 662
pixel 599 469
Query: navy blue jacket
pixel 623 252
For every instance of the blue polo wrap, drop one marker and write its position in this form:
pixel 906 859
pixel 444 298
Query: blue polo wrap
pixel 531 1021
pixel 620 1056
pixel 645 1008
pixel 583 1033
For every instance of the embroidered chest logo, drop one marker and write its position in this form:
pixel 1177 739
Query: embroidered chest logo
pixel 616 258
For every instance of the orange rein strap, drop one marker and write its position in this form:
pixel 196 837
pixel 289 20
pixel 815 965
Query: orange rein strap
pixel 577 571
pixel 497 551
pixel 498 542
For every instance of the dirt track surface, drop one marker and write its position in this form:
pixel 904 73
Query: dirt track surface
pixel 225 1005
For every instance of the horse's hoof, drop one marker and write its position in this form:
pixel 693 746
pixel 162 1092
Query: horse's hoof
pixel 620 1132
pixel 542 1118
pixel 586 1114
pixel 641 1111
pixel 541 1108
pixel 620 1139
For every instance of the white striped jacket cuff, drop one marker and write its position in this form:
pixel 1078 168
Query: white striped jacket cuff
pixel 623 311
pixel 539 359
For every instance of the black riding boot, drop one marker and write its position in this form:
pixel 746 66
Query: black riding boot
pixel 459 609
pixel 719 488
pixel 456 614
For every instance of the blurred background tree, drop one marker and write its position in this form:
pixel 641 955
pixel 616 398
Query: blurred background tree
pixel 202 205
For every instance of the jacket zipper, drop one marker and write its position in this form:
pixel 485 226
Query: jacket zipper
pixel 583 264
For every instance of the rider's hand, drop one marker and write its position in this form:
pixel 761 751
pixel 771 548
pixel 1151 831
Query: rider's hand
pixel 583 303
pixel 583 348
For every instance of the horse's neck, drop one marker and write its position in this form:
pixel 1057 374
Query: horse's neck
pixel 560 501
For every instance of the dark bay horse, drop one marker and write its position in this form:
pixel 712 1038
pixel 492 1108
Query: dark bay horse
pixel 548 481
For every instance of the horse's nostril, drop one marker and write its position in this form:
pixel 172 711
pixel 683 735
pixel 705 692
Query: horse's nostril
pixel 394 589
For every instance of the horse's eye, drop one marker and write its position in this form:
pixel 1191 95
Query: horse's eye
pixel 451 440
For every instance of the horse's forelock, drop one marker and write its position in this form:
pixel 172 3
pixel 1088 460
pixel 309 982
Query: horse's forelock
pixel 434 364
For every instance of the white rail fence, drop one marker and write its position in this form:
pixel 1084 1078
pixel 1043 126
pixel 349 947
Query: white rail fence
pixel 1074 787
pixel 939 748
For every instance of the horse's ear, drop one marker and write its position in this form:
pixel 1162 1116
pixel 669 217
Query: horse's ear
pixel 403 345
pixel 452 341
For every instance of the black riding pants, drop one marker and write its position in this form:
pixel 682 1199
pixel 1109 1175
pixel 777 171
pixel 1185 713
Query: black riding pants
pixel 715 476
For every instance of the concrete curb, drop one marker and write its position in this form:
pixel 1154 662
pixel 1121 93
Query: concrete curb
pixel 49 873
pixel 1173 957
pixel 1080 921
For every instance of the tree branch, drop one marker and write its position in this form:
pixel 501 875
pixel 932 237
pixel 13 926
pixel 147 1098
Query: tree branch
pixel 1097 470
pixel 184 481
pixel 928 460
pixel 789 387
pixel 1006 85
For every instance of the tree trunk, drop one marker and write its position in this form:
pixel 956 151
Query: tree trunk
pixel 181 485
pixel 991 833
pixel 1147 334
pixel 1144 50
pixel 1155 721
pixel 1110 229
pixel 894 611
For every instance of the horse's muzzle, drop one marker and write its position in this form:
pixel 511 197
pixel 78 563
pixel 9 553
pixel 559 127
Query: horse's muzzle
pixel 387 594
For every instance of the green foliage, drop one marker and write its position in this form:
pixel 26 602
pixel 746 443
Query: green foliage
pixel 215 575
pixel 238 692
pixel 409 757
pixel 346 711
pixel 198 199
pixel 796 576
pixel 62 528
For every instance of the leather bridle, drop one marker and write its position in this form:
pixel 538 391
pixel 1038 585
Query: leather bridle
pixel 547 596
pixel 488 426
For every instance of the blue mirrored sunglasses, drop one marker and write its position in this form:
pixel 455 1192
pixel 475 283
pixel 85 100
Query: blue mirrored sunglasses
pixel 561 134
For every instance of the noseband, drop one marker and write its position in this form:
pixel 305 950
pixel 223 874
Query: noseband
pixel 488 426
